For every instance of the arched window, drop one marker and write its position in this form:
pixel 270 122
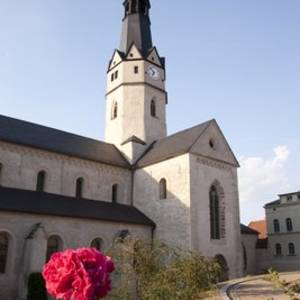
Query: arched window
pixel 4 240
pixel 289 224
pixel 292 250
pixel 153 108
pixel 278 249
pixel 54 244
pixel 214 203
pixel 163 189
pixel 40 182
pixel 97 244
pixel 276 226
pixel 115 193
pixel 79 187
pixel 114 112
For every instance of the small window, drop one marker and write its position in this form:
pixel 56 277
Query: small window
pixel 276 226
pixel 4 240
pixel 163 190
pixel 289 224
pixel 289 198
pixel 115 192
pixel 116 74
pixel 54 244
pixel 292 250
pixel 136 70
pixel 112 77
pixel 114 113
pixel 40 182
pixel 131 55
pixel 79 187
pixel 97 244
pixel 278 249
pixel 212 143
pixel 153 108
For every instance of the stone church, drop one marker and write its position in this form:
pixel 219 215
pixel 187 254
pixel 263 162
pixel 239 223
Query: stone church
pixel 60 190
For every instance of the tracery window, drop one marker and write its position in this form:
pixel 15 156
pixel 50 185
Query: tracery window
pixel 289 224
pixel 4 243
pixel 163 189
pixel 214 203
pixel 79 187
pixel 54 244
pixel 40 182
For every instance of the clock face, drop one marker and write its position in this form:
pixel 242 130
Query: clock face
pixel 153 73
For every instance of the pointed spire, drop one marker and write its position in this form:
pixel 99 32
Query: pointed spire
pixel 136 26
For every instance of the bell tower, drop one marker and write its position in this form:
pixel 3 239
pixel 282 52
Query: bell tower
pixel 136 97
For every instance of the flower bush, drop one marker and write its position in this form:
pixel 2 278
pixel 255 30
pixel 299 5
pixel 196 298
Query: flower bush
pixel 82 274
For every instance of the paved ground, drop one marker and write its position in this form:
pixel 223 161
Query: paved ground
pixel 259 289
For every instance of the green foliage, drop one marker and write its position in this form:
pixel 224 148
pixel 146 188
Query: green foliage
pixel 36 287
pixel 156 271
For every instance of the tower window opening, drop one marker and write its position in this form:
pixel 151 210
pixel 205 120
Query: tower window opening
pixel 115 193
pixel 40 182
pixel 112 76
pixel 215 230
pixel 163 190
pixel 79 187
pixel 114 113
pixel 153 108
pixel 136 70
pixel 116 74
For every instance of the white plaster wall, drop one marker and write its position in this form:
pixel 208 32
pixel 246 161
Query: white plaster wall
pixel 204 172
pixel 75 233
pixel 22 164
pixel 172 215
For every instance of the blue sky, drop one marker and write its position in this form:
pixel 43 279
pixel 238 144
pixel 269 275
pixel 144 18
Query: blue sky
pixel 236 61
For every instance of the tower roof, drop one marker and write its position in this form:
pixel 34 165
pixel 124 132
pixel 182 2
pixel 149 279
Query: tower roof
pixel 136 26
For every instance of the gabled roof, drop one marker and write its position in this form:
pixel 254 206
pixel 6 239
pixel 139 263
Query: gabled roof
pixel 49 139
pixel 178 144
pixel 247 230
pixel 32 202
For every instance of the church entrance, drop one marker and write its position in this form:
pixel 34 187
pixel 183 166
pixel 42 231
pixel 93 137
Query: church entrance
pixel 224 274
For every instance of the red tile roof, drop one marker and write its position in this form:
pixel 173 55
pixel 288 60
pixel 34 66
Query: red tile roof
pixel 261 227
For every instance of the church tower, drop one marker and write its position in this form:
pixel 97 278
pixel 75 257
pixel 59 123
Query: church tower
pixel 136 97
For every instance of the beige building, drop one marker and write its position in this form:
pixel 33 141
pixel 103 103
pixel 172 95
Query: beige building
pixel 283 224
pixel 60 190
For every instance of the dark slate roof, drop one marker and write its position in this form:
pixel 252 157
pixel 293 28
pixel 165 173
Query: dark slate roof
pixel 274 203
pixel 45 138
pixel 32 202
pixel 247 230
pixel 173 145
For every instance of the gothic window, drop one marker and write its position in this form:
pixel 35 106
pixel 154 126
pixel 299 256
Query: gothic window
pixel 289 224
pixel 136 70
pixel 97 244
pixel 4 240
pixel 215 231
pixel 114 113
pixel 54 244
pixel 115 192
pixel 292 250
pixel 278 249
pixel 79 187
pixel 163 190
pixel 276 226
pixel 153 108
pixel 40 182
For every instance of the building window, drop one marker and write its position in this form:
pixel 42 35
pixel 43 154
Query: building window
pixel 114 113
pixel 54 244
pixel 40 182
pixel 1 172
pixel 136 69
pixel 112 77
pixel 97 244
pixel 4 240
pixel 116 74
pixel 278 249
pixel 153 108
pixel 163 189
pixel 215 232
pixel 292 250
pixel 276 226
pixel 289 224
pixel 289 198
pixel 115 192
pixel 79 187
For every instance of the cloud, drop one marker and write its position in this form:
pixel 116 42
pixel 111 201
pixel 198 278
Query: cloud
pixel 261 178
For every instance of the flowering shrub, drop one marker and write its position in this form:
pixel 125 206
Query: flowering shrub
pixel 82 274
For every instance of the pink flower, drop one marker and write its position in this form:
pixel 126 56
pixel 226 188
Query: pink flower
pixel 82 274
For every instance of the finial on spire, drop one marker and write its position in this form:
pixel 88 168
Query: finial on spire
pixel 137 7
